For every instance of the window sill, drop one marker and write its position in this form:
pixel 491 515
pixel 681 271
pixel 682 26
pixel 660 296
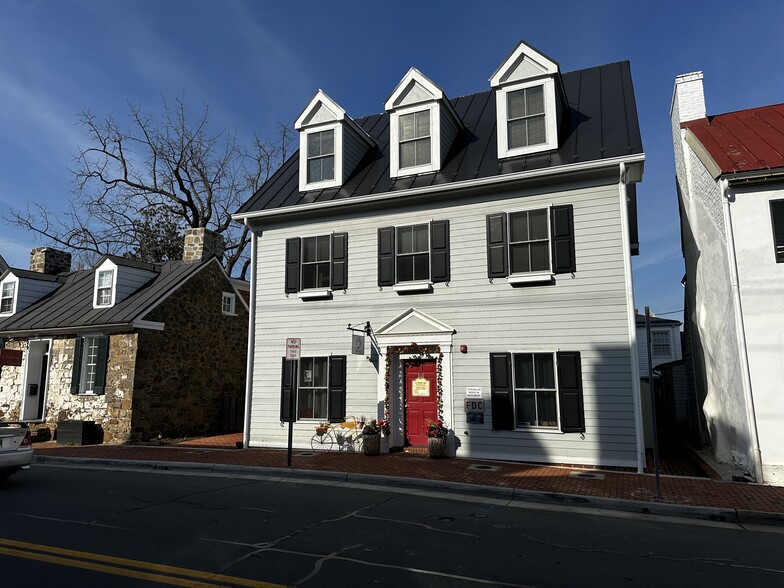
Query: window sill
pixel 411 287
pixel 538 429
pixel 532 278
pixel 315 293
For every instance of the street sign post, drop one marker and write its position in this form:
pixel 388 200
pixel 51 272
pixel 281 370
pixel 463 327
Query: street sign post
pixel 293 353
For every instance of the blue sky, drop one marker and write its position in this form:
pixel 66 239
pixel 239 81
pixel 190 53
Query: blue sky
pixel 257 63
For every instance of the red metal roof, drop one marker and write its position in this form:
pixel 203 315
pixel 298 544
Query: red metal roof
pixel 743 141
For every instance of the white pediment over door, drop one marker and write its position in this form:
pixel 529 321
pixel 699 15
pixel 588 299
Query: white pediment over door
pixel 414 322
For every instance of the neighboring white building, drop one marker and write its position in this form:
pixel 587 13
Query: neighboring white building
pixel 730 175
pixel 488 265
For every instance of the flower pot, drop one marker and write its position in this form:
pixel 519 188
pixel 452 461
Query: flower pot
pixel 436 446
pixel 371 444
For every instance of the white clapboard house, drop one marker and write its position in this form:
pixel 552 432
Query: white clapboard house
pixel 484 243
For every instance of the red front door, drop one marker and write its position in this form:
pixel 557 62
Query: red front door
pixel 421 398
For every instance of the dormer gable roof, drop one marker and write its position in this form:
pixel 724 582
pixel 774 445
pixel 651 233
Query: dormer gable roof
pixel 524 63
pixel 323 110
pixel 415 87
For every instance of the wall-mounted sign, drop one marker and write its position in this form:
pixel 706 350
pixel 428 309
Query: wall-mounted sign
pixel 475 405
pixel 10 357
pixel 473 392
pixel 293 348
pixel 420 387
pixel 357 344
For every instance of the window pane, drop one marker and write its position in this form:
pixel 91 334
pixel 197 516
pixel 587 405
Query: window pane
pixel 309 249
pixel 517 134
pixel 314 144
pixel 420 238
pixel 8 289
pixel 518 227
pixel 308 276
pixel 515 104
pixel 322 275
pixel 518 258
pixel 314 170
pixel 407 154
pixel 405 240
pixel 540 256
pixel 323 248
pixel 6 304
pixel 407 127
pixel 328 168
pixel 422 151
pixel 327 142
pixel 526 408
pixel 305 404
pixel 405 268
pixel 105 279
pixel 545 404
pixel 306 372
pixel 536 130
pixel 423 123
pixel 320 372
pixel 537 220
pixel 421 267
pixel 524 370
pixel 320 404
pixel 534 100
pixel 545 373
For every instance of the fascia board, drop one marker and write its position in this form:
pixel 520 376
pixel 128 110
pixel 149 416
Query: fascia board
pixel 702 154
pixel 551 67
pixel 413 74
pixel 320 97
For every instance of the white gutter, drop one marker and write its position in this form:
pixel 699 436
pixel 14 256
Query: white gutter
pixel 251 339
pixel 572 168
pixel 751 415
pixel 632 321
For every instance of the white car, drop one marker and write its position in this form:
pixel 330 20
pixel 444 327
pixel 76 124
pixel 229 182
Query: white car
pixel 16 448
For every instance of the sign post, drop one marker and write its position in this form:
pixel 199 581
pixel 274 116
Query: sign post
pixel 293 351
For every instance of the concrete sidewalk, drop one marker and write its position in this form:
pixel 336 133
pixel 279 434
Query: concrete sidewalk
pixel 681 496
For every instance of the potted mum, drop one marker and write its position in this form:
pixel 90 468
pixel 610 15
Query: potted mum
pixel 436 432
pixel 371 438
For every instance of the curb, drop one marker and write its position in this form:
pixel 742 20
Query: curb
pixel 705 513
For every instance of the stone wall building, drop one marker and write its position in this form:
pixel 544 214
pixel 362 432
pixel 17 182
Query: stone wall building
pixel 143 350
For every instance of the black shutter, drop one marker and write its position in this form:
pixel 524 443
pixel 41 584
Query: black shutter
pixel 76 374
pixel 562 228
pixel 777 219
pixel 439 251
pixel 287 392
pixel 292 265
pixel 99 386
pixel 386 256
pixel 496 246
pixel 501 391
pixel 339 269
pixel 337 388
pixel 570 392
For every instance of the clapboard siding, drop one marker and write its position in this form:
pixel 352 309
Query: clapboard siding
pixel 130 279
pixel 31 291
pixel 586 312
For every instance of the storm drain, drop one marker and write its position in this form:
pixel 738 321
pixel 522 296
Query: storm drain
pixel 305 454
pixel 586 475
pixel 482 467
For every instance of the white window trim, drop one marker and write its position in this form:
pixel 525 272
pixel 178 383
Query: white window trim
pixel 539 428
pixel 299 386
pixel 395 170
pixel 551 126
pixel 337 181
pixel 666 333
pixel 104 267
pixel 320 291
pixel 312 293
pixel 529 277
pixel 414 285
pixel 83 367
pixel 233 298
pixel 15 281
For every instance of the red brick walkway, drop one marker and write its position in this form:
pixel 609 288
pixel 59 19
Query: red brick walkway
pixel 616 485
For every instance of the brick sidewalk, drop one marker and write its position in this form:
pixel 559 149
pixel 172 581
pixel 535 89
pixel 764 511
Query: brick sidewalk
pixel 560 480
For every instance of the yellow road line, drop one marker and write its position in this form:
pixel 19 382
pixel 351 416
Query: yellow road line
pixel 128 563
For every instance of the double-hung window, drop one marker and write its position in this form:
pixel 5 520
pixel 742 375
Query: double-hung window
pixel 414 139
pixel 321 156
pixel 103 293
pixel 228 303
pixel 89 365
pixel 316 386
pixel 315 266
pixel 660 341
pixel 7 297
pixel 526 117
pixel 529 241
pixel 413 253
pixel 534 390
pixel 413 257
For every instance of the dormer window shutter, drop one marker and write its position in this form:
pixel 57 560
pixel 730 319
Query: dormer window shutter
pixel 292 265
pixel 562 228
pixel 339 269
pixel 439 251
pixel 497 245
pixel 386 256
pixel 570 392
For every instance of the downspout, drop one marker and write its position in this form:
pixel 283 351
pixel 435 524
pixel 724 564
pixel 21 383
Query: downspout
pixel 751 415
pixel 251 339
pixel 632 320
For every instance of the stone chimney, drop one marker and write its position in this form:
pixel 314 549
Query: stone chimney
pixel 199 244
pixel 47 260
pixel 688 98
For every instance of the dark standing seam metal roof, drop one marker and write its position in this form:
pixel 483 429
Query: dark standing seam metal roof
pixel 600 123
pixel 743 141
pixel 71 305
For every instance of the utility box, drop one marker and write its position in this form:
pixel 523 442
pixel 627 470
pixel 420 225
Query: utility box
pixel 78 433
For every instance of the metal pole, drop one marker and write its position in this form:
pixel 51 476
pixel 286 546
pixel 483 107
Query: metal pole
pixel 653 402
pixel 292 402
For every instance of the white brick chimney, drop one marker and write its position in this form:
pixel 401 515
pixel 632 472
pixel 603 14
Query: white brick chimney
pixel 688 98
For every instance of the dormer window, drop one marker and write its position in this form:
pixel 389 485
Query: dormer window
pixel 321 156
pixel 414 139
pixel 529 100
pixel 7 292
pixel 103 293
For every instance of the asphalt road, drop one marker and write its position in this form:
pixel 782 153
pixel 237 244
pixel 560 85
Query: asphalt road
pixel 84 527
